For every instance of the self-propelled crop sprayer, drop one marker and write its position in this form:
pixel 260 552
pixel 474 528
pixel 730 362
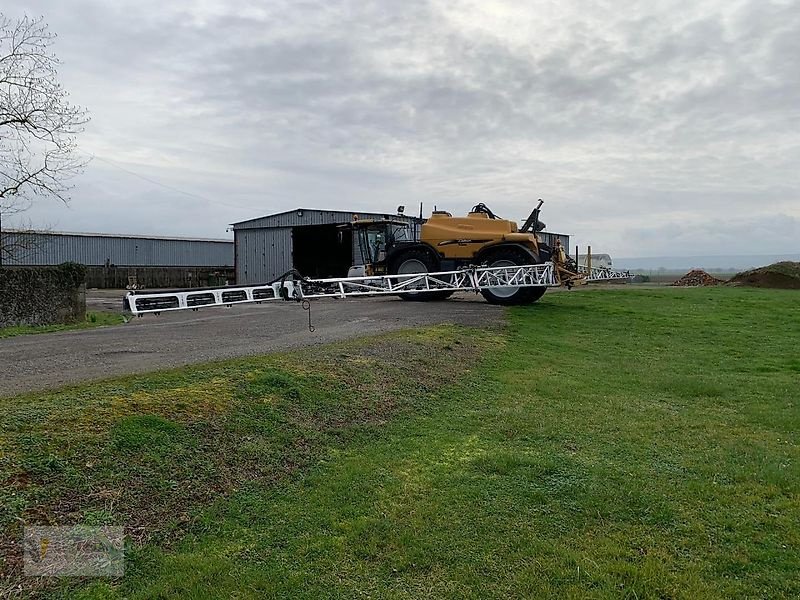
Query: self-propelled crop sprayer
pixel 480 253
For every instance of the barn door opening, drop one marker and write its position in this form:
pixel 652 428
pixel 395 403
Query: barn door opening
pixel 322 250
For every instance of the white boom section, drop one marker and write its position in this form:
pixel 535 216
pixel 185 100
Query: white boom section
pixel 604 274
pixel 470 279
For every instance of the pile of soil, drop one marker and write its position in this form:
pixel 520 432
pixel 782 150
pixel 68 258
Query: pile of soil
pixel 781 275
pixel 696 278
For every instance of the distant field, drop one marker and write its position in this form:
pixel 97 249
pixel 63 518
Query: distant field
pixel 637 443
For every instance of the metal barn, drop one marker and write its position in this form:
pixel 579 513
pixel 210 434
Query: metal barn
pixel 99 249
pixel 308 240
pixel 116 261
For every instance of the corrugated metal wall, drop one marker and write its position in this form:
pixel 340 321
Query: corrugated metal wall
pixel 264 245
pixel 96 250
pixel 262 254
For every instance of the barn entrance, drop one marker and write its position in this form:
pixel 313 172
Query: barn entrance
pixel 322 250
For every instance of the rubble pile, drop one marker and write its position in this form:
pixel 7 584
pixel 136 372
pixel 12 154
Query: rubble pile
pixel 697 278
pixel 782 275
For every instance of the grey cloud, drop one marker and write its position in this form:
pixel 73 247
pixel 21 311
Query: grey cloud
pixel 669 110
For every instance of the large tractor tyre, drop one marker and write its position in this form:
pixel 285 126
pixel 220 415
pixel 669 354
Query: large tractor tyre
pixel 509 296
pixel 417 260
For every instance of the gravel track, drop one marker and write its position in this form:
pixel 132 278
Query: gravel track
pixel 48 361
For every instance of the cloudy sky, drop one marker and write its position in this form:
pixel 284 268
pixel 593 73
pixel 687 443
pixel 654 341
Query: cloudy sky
pixel 661 127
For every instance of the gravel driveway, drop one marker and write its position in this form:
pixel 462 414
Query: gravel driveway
pixel 47 361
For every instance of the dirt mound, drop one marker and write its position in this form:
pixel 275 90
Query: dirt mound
pixel 696 278
pixel 781 275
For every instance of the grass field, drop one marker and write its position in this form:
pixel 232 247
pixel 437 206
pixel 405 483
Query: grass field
pixel 99 319
pixel 610 443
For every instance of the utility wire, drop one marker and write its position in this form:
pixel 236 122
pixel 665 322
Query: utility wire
pixel 166 186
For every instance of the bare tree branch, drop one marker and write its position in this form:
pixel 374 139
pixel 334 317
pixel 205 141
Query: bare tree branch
pixel 21 242
pixel 38 125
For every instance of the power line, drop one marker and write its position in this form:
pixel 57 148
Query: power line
pixel 166 186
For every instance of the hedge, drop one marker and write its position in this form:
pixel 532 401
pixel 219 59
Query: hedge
pixel 42 295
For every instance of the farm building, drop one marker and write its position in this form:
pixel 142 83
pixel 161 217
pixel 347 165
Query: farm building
pixel 598 260
pixel 310 241
pixel 112 259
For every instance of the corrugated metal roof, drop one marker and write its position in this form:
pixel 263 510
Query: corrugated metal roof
pixel 119 235
pixel 286 212
pixel 314 216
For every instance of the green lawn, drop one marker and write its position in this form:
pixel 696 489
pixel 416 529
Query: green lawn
pixel 608 443
pixel 92 320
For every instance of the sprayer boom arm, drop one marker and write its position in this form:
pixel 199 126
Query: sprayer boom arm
pixel 468 279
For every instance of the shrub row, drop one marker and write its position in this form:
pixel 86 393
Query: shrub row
pixel 42 295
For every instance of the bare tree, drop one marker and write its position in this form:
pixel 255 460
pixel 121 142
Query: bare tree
pixel 38 125
pixel 19 243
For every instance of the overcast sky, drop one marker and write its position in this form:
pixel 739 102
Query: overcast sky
pixel 649 128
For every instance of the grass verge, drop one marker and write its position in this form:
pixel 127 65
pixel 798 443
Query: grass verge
pixel 151 452
pixel 99 319
pixel 618 443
